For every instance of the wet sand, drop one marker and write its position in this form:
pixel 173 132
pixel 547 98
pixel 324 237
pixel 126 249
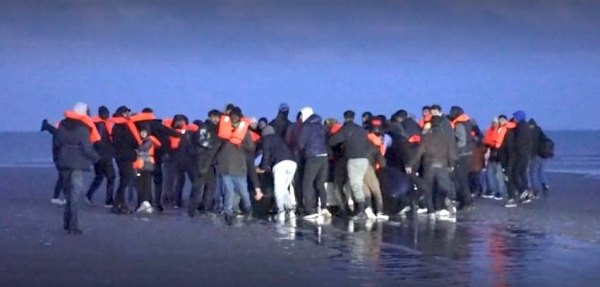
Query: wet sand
pixel 549 242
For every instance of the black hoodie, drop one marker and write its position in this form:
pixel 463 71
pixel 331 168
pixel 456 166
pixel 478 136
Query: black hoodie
pixel 281 124
pixel 74 150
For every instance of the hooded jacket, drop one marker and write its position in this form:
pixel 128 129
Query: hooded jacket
pixel 354 140
pixel 397 155
pixel 74 150
pixel 435 150
pixel 205 142
pixel 312 138
pixel 124 142
pixel 274 149
pixel 281 124
pixel 462 132
pixel 104 146
pixel 231 159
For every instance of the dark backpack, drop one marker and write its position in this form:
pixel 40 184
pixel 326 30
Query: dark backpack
pixel 546 148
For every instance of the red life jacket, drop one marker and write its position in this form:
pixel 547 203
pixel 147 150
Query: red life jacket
pixel 460 119
pixel 142 117
pixel 255 136
pixel 94 135
pixel 239 133
pixel 107 124
pixel 139 163
pixel 225 130
pixel 376 140
pixel 425 120
pixel 491 136
pixel 336 128
pixel 502 133
pixel 130 125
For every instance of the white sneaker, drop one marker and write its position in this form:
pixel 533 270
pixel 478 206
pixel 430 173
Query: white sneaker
pixel 421 210
pixel 404 211
pixel 325 213
pixel 351 205
pixel 313 216
pixel 281 217
pixel 144 207
pixel 443 212
pixel 370 214
pixel 382 217
pixel 58 201
pixel 487 196
pixel 449 218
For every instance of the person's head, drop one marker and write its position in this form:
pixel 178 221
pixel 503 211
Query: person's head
pixel 306 113
pixel 496 122
pixel 144 131
pixel 436 110
pixel 502 120
pixel 236 115
pixel 262 123
pixel 400 116
pixel 284 109
pixel 103 112
pixel 148 111
pixel 179 121
pixel 81 109
pixel 435 123
pixel 455 112
pixel 376 126
pixel 519 116
pixel 426 111
pixel 349 116
pixel 229 108
pixel 366 117
pixel 330 122
pixel 123 111
pixel 214 116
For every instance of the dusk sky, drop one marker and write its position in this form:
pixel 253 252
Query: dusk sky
pixel 489 57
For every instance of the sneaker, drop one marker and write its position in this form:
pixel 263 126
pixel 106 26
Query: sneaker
pixel 58 201
pixel 281 217
pixel 546 190
pixel 432 216
pixel 360 217
pixel 404 211
pixel 325 213
pixel 144 207
pixel 313 216
pixel 443 212
pixel 88 201
pixel 370 214
pixel 450 207
pixel 421 210
pixel 511 203
pixel 449 218
pixel 382 217
pixel 524 195
pixel 487 196
pixel 498 197
pixel 527 200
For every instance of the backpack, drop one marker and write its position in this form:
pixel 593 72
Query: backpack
pixel 546 148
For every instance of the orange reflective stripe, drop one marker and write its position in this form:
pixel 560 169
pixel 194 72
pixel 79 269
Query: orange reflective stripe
pixel 142 117
pixel 131 125
pixel 94 135
pixel 461 119
pixel 225 127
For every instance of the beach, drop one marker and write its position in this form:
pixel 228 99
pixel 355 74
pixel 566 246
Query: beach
pixel 553 241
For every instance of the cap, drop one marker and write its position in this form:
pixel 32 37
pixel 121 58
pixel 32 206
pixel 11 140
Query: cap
pixel 81 108
pixel 122 109
pixel 283 107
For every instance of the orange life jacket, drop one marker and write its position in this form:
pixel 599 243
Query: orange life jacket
pixel 374 139
pixel 425 120
pixel 414 139
pixel 225 127
pixel 239 133
pixel 168 122
pixel 107 124
pixel 502 133
pixel 94 135
pixel 491 137
pixel 336 128
pixel 255 136
pixel 175 141
pixel 142 117
pixel 139 162
pixel 192 128
pixel 461 119
pixel 130 125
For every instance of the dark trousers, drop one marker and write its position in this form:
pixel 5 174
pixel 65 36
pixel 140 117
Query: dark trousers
pixel 437 186
pixel 340 176
pixel 127 177
pixel 181 170
pixel 143 185
pixel 517 178
pixel 298 184
pixel 461 175
pixel 73 182
pixel 313 183
pixel 59 186
pixel 203 193
pixel 157 175
pixel 103 169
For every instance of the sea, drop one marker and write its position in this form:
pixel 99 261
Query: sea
pixel 577 152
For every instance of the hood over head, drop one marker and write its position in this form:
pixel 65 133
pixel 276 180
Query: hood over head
pixel 455 112
pixel 81 109
pixel 306 113
pixel 268 130
pixel 314 119
pixel 520 116
pixel 532 122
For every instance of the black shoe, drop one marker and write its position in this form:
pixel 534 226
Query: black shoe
pixel 229 219
pixel 191 211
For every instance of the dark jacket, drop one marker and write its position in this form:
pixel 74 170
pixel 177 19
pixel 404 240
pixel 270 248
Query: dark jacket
pixel 73 146
pixel 311 139
pixel 162 133
pixel 291 136
pixel 274 151
pixel 185 155
pixel 104 147
pixel 435 150
pixel 397 154
pixel 124 143
pixel 354 140
pixel 231 160
pixel 281 124
pixel 507 154
pixel 411 127
pixel 206 143
pixel 523 141
pixel 375 157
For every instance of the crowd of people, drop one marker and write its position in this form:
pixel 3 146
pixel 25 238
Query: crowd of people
pixel 316 168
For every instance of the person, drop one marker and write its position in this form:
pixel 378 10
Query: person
pixel 164 134
pixel 104 167
pixel 59 185
pixel 372 186
pixel 126 140
pixel 355 142
pixel 281 123
pixel 205 140
pixel 436 111
pixel 496 187
pixel 437 156
pixel 464 144
pixel 543 149
pixel 311 143
pixel 523 148
pixel 426 113
pixel 366 120
pixel 507 157
pixel 183 158
pixel 291 139
pixel 338 173
pixel 144 166
pixel 235 141
pixel 75 154
pixel 279 159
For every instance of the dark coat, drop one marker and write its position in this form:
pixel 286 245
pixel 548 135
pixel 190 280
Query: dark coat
pixel 354 140
pixel 312 137
pixel 162 133
pixel 523 141
pixel 397 155
pixel 435 149
pixel 104 147
pixel 274 151
pixel 231 160
pixel 206 142
pixel 73 146
pixel 281 124
pixel 124 143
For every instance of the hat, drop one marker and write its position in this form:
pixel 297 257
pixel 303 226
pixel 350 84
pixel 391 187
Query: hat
pixel 495 120
pixel 283 107
pixel 122 109
pixel 519 116
pixel 81 108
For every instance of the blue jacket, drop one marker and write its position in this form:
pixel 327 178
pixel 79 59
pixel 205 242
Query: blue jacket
pixel 312 139
pixel 73 146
